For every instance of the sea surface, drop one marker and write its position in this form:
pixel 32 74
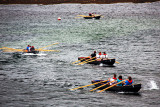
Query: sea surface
pixel 128 32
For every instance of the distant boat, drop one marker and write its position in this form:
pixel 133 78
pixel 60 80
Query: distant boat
pixel 95 16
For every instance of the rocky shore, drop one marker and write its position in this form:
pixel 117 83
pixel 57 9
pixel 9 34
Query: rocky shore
pixel 71 1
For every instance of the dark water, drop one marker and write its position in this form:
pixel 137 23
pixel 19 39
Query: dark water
pixel 128 32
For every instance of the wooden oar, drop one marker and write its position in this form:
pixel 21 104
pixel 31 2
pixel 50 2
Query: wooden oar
pixel 89 61
pixel 101 86
pixel 88 85
pixel 48 45
pixel 111 86
pixel 117 62
pixel 86 61
pixel 82 15
pixel 47 50
pixel 79 60
pixel 12 49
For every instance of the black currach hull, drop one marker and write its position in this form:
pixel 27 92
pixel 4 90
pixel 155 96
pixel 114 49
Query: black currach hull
pixel 91 17
pixel 97 62
pixel 129 88
pixel 34 52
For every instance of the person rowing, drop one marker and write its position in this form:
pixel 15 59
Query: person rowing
pixel 119 80
pixel 129 81
pixel 28 48
pixel 104 56
pixel 99 55
pixel 113 79
pixel 32 49
pixel 93 55
pixel 109 80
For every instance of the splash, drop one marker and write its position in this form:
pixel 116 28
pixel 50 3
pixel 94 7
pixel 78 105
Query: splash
pixel 153 85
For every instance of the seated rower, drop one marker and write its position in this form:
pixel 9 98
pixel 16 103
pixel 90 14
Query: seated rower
pixel 93 55
pixel 109 80
pixel 32 49
pixel 28 48
pixel 113 79
pixel 104 56
pixel 129 81
pixel 99 55
pixel 119 80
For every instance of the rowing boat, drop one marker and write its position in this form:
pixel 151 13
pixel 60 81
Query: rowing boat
pixel 97 62
pixel 92 17
pixel 128 88
pixel 96 16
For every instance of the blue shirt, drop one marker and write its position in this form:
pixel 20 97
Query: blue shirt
pixel 128 83
pixel 118 82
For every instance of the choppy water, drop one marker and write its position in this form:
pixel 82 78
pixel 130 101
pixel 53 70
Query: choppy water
pixel 128 32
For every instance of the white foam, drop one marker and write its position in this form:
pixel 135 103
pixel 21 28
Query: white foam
pixel 28 54
pixel 101 64
pixel 153 85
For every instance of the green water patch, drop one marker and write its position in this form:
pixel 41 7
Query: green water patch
pixel 79 31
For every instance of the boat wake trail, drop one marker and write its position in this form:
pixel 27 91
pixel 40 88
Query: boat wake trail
pixel 31 54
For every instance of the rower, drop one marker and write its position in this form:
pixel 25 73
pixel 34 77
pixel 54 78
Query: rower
pixel 119 80
pixel 90 14
pixel 28 48
pixel 32 49
pixel 113 79
pixel 99 55
pixel 93 55
pixel 105 55
pixel 129 81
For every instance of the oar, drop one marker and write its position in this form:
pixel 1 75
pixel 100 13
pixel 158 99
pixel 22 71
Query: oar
pixel 117 62
pixel 89 61
pixel 88 85
pixel 49 45
pixel 111 86
pixel 79 60
pixel 101 86
pixel 81 15
pixel 47 50
pixel 85 61
pixel 12 49
pixel 78 17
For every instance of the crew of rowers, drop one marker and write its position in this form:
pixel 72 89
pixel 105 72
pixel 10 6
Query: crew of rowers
pixel 99 55
pixel 114 80
pixel 30 48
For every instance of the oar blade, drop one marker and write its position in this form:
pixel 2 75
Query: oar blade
pixel 48 50
pixel 49 45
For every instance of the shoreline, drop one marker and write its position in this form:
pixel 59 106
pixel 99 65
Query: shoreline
pixel 48 2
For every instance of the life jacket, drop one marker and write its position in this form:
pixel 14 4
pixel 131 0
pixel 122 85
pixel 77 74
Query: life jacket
pixel 114 78
pixel 130 81
pixel 100 53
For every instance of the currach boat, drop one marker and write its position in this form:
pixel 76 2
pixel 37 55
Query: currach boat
pixel 128 88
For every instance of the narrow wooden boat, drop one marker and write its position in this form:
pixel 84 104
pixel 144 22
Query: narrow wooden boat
pixel 92 17
pixel 128 88
pixel 97 62
pixel 95 16
pixel 33 51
